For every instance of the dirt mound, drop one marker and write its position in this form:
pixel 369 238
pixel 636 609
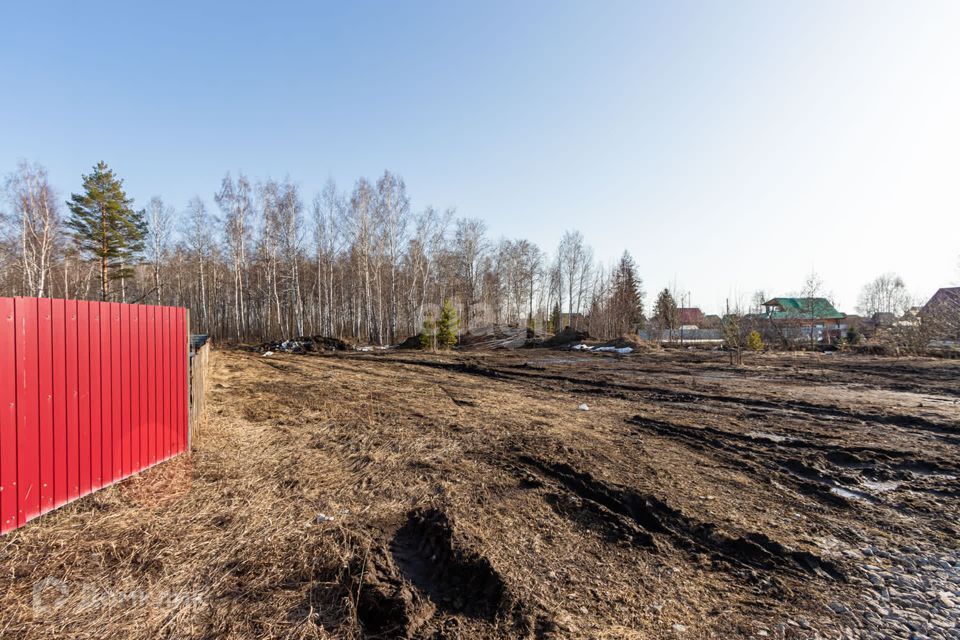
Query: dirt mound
pixel 486 338
pixel 307 344
pixel 492 337
pixel 566 338
pixel 386 606
pixel 325 343
pixel 427 576
pixel 453 577
pixel 413 342
pixel 631 341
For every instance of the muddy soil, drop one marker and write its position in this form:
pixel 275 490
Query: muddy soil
pixel 410 495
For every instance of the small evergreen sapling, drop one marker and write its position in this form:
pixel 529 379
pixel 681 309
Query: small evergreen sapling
pixel 447 327
pixel 428 335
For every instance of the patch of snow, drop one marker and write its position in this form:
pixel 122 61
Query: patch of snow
pixel 849 493
pixel 763 435
pixel 613 349
pixel 880 486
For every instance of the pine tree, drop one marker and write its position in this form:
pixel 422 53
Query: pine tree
pixel 447 326
pixel 104 226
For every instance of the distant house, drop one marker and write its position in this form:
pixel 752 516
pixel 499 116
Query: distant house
pixel 690 317
pixel 797 318
pixel 711 321
pixel 691 328
pixel 942 314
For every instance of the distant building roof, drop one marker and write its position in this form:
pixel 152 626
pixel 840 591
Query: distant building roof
pixel 801 309
pixel 690 315
pixel 945 297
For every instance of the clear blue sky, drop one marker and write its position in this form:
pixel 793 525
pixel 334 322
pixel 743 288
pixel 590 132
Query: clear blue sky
pixel 729 146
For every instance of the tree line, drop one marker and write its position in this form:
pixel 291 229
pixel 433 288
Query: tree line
pixel 259 260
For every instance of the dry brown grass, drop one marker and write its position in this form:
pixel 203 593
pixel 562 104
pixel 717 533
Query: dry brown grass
pixel 221 543
pixel 226 543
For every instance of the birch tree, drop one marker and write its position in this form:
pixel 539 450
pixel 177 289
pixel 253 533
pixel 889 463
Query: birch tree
pixel 470 247
pixel 328 209
pixel 574 258
pixel 199 238
pixel 886 293
pixel 159 224
pixel 35 215
pixel 394 214
pixel 359 220
pixel 235 203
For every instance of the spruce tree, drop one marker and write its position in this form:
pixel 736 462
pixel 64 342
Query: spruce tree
pixel 428 335
pixel 627 296
pixel 667 312
pixel 105 227
pixel 556 317
pixel 447 327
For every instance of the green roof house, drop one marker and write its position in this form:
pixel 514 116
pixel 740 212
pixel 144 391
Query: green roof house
pixel 802 319
pixel 801 309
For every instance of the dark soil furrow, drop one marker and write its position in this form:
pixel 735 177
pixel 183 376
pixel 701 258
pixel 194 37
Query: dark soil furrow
pixel 753 550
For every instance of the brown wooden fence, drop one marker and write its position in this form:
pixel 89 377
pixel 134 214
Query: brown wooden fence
pixel 199 361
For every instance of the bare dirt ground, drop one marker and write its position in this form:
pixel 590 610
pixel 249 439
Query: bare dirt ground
pixel 467 496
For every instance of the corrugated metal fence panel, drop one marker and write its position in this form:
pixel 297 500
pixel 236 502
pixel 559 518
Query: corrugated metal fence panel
pixel 64 466
pixel 8 416
pixel 28 410
pixel 45 364
pixel 90 393
pixel 76 396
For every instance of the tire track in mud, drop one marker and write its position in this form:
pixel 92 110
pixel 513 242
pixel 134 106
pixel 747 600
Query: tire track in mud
pixel 840 454
pixel 428 575
pixel 652 520
pixel 949 433
pixel 835 475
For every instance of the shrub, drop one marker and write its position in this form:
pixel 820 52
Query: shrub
pixel 754 341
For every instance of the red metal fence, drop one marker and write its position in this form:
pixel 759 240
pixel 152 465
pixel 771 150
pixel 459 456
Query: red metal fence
pixel 90 393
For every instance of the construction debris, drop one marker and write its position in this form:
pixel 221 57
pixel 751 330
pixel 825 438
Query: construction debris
pixel 307 344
